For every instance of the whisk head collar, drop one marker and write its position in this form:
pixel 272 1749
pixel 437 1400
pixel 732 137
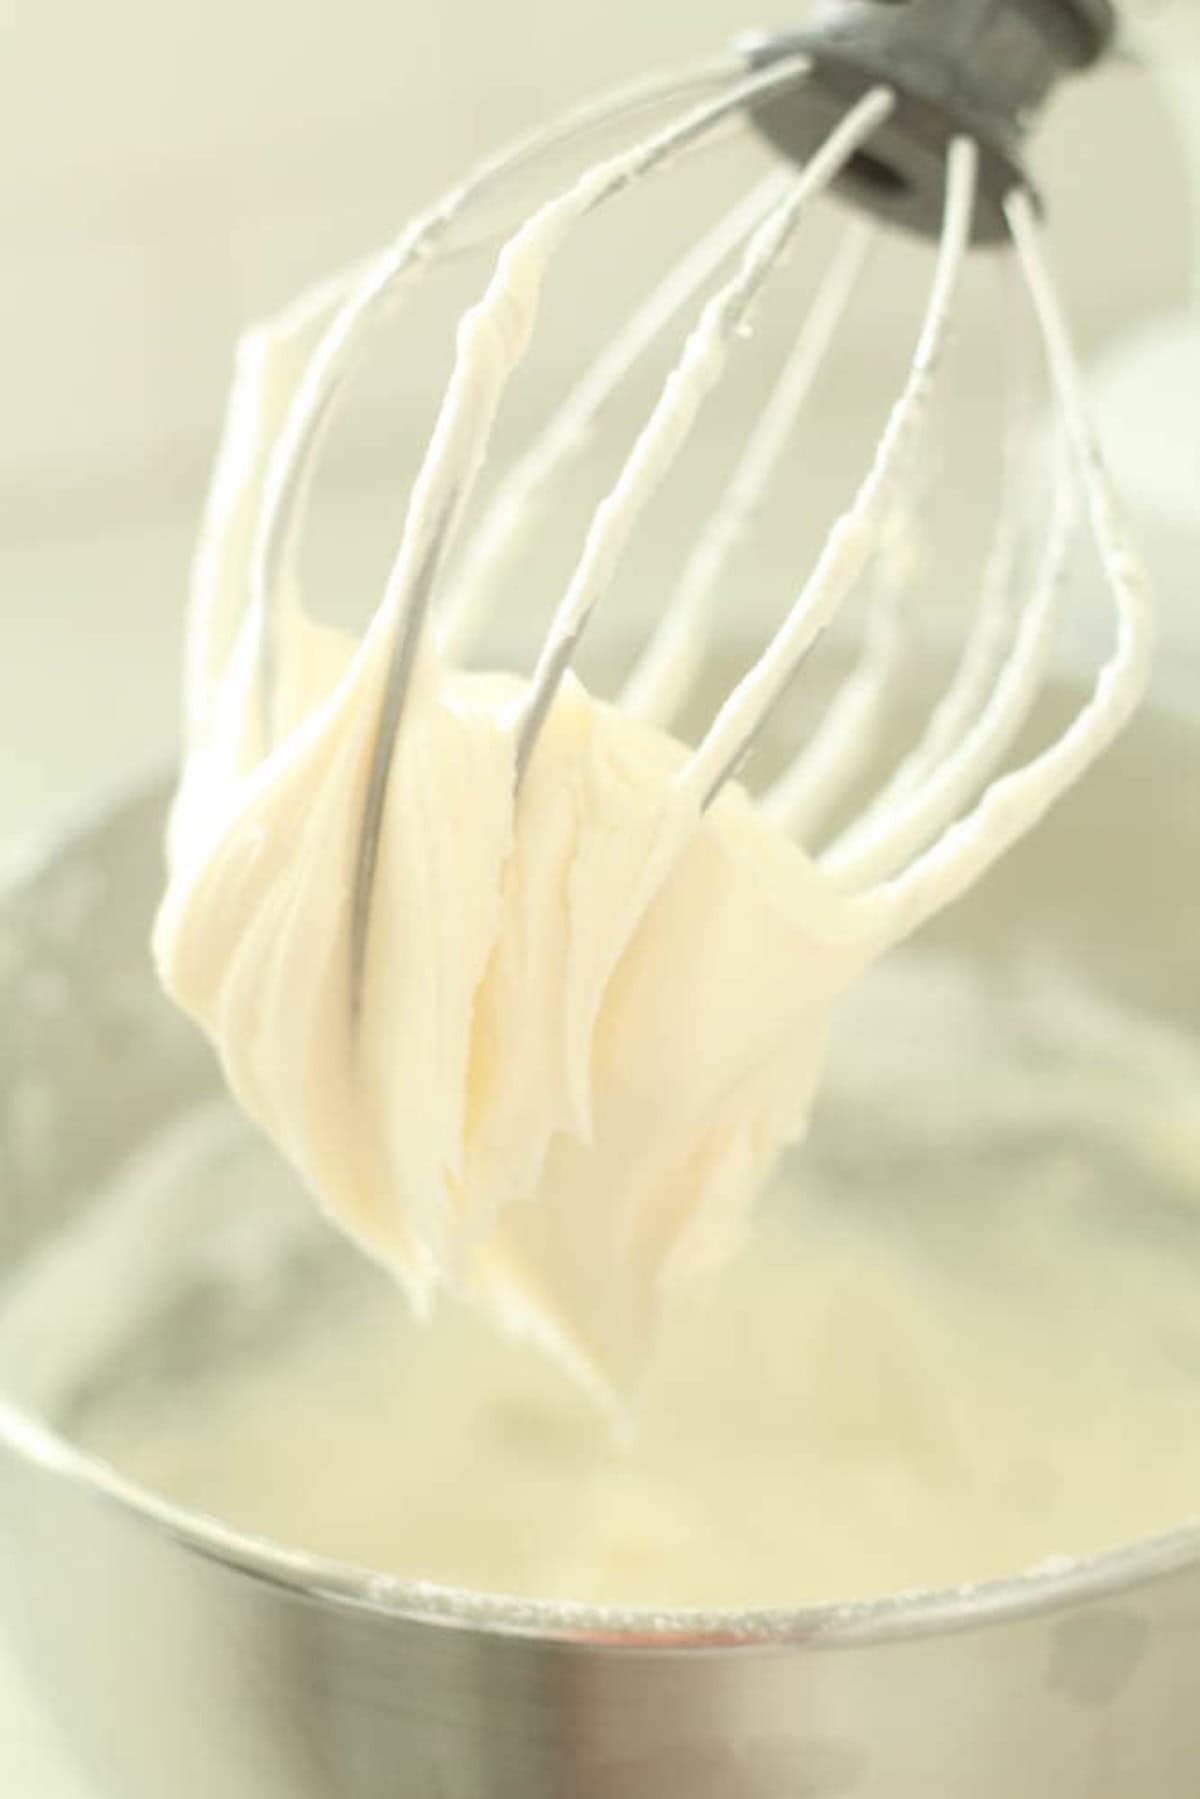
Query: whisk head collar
pixel 976 68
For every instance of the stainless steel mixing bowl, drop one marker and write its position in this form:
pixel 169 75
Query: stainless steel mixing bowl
pixel 181 1659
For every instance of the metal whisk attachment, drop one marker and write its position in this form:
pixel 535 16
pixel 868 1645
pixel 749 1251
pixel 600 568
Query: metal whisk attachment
pixel 915 110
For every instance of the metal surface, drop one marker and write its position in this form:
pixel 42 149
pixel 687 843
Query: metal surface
pixel 182 1659
pixel 983 68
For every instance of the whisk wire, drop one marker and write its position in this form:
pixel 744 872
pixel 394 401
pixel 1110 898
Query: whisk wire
pixel 1010 807
pixel 911 822
pixel 804 796
pixel 667 429
pixel 356 301
pixel 514 509
pixel 493 336
pixel 664 673
pixel 855 537
pixel 992 627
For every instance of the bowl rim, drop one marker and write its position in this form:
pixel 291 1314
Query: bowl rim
pixel 1059 1584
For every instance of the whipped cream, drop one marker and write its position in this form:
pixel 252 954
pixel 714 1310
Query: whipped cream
pixel 953 1346
pixel 590 1006
pixel 590 1020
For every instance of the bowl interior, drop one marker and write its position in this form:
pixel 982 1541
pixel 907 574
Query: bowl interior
pixel 1008 1120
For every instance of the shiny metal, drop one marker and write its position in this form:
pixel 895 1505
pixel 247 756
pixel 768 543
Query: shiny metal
pixel 183 1660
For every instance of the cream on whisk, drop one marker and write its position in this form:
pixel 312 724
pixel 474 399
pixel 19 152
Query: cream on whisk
pixel 589 1022
pixel 528 992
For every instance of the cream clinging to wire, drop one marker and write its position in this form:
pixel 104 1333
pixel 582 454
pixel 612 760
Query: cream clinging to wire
pixel 531 993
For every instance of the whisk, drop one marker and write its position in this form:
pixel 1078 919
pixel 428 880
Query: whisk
pixel 436 1016
pixel 916 112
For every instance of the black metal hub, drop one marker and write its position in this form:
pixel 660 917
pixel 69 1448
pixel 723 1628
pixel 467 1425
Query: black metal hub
pixel 980 68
